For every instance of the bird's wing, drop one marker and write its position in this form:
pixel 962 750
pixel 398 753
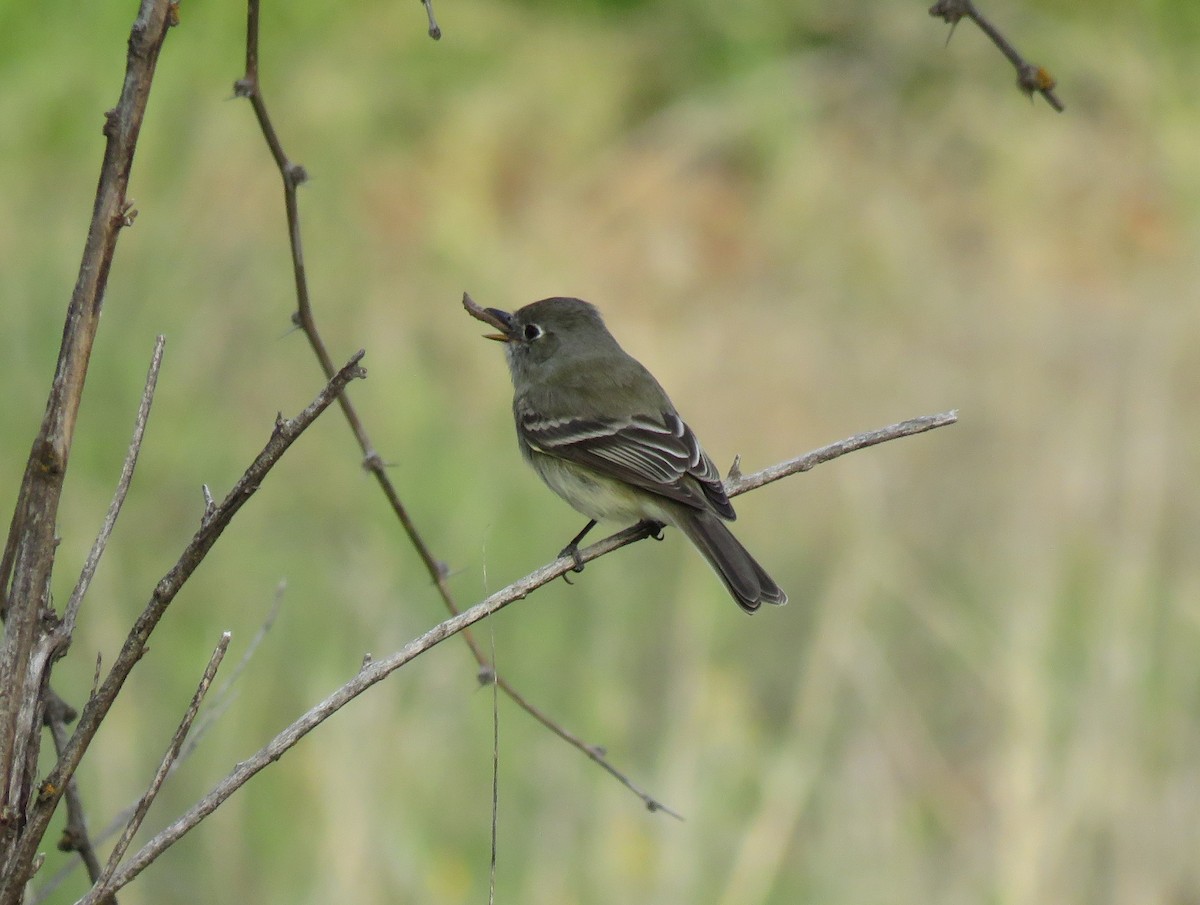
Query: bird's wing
pixel 658 453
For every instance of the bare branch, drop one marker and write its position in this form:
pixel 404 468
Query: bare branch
pixel 594 753
pixel 224 695
pixel 285 433
pixel 250 87
pixel 218 705
pixel 1030 78
pixel 28 560
pixel 435 30
pixel 54 645
pixel 67 627
pixel 75 836
pixel 374 671
pixel 737 483
pixel 100 891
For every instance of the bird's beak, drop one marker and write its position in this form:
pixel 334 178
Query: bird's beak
pixel 501 320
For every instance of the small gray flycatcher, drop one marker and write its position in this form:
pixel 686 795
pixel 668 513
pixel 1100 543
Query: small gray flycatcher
pixel 603 434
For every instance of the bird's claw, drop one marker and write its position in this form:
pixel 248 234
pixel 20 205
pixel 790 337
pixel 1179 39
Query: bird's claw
pixel 572 550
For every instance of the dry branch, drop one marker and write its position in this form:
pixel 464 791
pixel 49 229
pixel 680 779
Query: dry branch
pixel 218 703
pixel 75 836
pixel 435 30
pixel 28 559
pixel 293 175
pixel 66 628
pixel 374 671
pixel 1030 78
pixel 285 433
pixel 100 890
pixel 29 648
pixel 58 714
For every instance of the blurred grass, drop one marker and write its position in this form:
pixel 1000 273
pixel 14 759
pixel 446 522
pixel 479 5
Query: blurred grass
pixel 808 221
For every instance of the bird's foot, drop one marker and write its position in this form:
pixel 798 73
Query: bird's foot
pixel 653 529
pixel 572 551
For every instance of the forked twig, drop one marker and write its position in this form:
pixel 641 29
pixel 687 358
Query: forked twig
pixel 75 835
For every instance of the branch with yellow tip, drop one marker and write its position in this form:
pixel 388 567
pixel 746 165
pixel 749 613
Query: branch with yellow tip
pixel 1030 78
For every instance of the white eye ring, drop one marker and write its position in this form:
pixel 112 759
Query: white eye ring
pixel 531 332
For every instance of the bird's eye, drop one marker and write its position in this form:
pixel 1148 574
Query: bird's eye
pixel 532 332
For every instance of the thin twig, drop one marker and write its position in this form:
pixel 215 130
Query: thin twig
pixel 435 30
pixel 250 87
pixel 374 671
pixel 219 701
pixel 224 695
pixel 100 890
pixel 594 753
pixel 1030 78
pixel 737 483
pixel 67 627
pixel 75 836
pixel 495 781
pixel 285 433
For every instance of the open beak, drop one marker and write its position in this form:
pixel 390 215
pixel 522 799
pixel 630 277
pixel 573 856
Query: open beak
pixel 493 317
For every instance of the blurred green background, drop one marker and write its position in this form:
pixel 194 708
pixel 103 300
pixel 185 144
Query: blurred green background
pixel 809 220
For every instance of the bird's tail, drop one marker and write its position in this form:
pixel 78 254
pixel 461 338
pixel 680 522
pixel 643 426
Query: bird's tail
pixel 746 580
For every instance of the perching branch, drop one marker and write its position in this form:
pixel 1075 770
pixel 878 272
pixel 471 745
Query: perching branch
pixel 249 86
pixel 1030 78
pixel 736 483
pixel 374 671
pixel 211 527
